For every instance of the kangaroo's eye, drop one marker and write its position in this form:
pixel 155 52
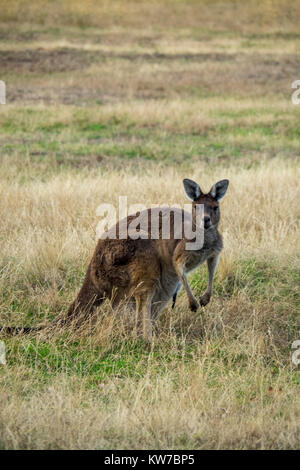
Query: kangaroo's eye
pixel 216 208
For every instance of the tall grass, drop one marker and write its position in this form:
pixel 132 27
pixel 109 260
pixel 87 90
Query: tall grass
pixel 220 378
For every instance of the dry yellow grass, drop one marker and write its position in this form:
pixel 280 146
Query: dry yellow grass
pixel 150 413
pixel 47 226
pixel 56 220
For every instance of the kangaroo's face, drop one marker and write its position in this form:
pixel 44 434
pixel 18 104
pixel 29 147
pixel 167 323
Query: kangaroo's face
pixel 210 201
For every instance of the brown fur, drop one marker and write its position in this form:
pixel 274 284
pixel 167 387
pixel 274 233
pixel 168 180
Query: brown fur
pixel 148 271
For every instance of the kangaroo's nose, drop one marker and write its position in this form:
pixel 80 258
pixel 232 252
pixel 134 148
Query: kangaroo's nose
pixel 207 222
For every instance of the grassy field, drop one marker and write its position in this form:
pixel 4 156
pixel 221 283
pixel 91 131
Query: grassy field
pixel 128 98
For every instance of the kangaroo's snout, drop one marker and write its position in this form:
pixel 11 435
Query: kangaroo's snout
pixel 207 221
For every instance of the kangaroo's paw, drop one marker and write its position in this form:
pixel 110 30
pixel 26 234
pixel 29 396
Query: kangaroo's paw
pixel 193 304
pixel 204 299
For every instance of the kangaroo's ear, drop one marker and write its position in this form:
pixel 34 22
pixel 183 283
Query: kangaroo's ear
pixel 219 189
pixel 192 189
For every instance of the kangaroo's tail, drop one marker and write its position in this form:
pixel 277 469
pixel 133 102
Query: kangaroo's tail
pixel 19 330
pixel 79 311
pixel 86 301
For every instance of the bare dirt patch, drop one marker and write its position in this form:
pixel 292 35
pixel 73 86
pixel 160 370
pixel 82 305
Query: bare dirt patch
pixel 114 76
pixel 44 61
pixel 67 59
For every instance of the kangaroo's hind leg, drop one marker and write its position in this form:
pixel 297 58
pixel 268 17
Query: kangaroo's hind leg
pixel 143 310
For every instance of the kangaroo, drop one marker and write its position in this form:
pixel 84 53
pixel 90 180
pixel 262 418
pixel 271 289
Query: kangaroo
pixel 150 271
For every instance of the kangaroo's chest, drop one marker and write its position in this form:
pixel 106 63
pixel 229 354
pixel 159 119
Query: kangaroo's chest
pixel 194 259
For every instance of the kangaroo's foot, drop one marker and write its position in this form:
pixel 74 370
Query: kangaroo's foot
pixel 193 304
pixel 204 299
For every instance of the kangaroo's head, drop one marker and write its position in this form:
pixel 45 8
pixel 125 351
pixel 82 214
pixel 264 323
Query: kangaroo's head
pixel 210 201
